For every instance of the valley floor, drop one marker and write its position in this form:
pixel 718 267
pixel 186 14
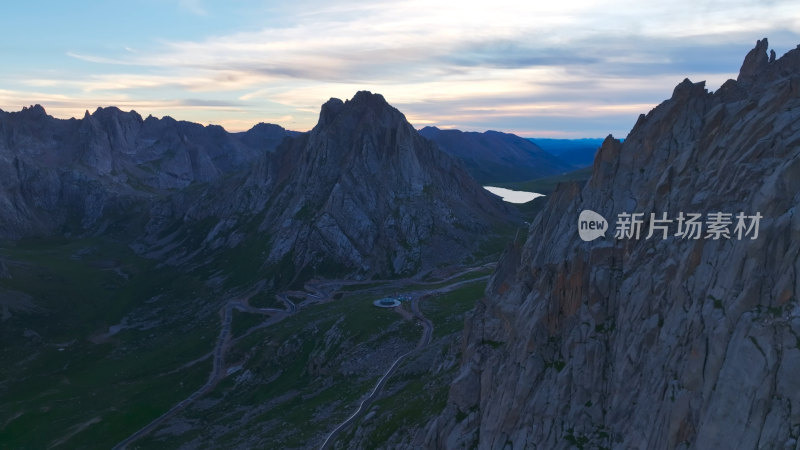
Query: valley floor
pixel 306 368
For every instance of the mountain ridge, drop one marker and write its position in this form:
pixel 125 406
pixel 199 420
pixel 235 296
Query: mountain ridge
pixel 654 343
pixel 496 157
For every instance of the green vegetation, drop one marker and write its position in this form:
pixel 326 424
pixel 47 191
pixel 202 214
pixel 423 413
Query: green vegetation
pixel 548 184
pixel 362 286
pixel 418 398
pixel 491 343
pixel 491 248
pixel 266 299
pixel 64 377
pixel 446 311
pixel 557 364
pixel 243 321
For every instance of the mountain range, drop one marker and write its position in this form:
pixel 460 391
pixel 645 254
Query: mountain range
pixel 495 157
pixel 577 152
pixel 362 191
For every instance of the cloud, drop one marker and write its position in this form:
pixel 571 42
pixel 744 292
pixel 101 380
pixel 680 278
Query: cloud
pixel 193 6
pixel 446 62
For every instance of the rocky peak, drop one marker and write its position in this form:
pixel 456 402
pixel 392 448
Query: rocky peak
pixel 54 168
pixel 686 89
pixel 755 62
pixel 265 136
pixel 112 113
pixel 329 111
pixel 379 188
pixel 366 99
pixel 759 69
pixel 364 112
pixel 33 111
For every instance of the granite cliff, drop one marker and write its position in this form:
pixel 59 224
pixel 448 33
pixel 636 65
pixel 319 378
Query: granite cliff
pixel 652 343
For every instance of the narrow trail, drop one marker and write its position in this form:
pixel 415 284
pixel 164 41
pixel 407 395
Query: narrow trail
pixel 218 371
pixel 425 339
pixel 389 283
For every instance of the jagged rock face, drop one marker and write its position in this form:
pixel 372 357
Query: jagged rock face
pixel 365 190
pixel 493 157
pixel 71 175
pixel 655 343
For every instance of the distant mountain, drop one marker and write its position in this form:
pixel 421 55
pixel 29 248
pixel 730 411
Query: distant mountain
pixel 494 157
pixel 653 342
pixel 577 152
pixel 66 176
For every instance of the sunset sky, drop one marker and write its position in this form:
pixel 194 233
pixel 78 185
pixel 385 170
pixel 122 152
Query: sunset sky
pixel 546 69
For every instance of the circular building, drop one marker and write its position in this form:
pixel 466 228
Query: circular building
pixel 387 302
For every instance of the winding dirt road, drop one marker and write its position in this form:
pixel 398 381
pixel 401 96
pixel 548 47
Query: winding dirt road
pixel 218 371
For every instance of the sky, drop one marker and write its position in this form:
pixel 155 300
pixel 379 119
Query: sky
pixel 564 69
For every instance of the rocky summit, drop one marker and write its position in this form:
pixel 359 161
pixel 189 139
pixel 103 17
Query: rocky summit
pixel 658 343
pixel 364 189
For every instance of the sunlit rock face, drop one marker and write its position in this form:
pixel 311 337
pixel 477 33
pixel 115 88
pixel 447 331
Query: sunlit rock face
pixel 652 343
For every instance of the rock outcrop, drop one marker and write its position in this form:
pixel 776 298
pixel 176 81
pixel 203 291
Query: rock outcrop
pixel 652 343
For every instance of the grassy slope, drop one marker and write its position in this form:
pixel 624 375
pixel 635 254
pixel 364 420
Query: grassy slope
pixel 55 378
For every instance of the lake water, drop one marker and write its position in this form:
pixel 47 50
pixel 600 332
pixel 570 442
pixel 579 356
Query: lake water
pixel 512 196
